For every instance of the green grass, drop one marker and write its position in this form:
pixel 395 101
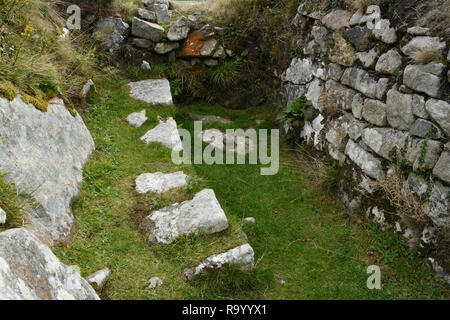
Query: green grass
pixel 301 235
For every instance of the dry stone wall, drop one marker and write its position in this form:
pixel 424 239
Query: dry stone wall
pixel 378 106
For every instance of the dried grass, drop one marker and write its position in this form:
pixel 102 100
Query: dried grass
pixel 425 56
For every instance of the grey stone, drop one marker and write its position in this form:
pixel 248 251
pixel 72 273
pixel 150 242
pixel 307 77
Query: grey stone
pixel 30 271
pixel 419 79
pixel 356 18
pixel 361 81
pixel 439 111
pixel 146 14
pixel 422 43
pixel 211 62
pixel 137 119
pixel 201 214
pixel 374 111
pixel 159 182
pixel 399 110
pixel 112 32
pixel 43 154
pixel 431 150
pixel 357 106
pixel 338 95
pixel 147 30
pixel 342 51
pixel 335 71
pixel 358 37
pixel 86 88
pixel 300 71
pixel 209 46
pixel 142 43
pixel 337 19
pixel 418 106
pixel 153 91
pixel 249 219
pixel 154 282
pixel 162 12
pixel 437 208
pixel 179 29
pixel 368 163
pixel 337 133
pixel 418 31
pixel 320 34
pixel 292 92
pixel 315 89
pixel 150 3
pixel 240 144
pixel 423 128
pixel 243 256
pixel 166 47
pixel 99 278
pixel 2 216
pixel 442 167
pixel 145 66
pixel 389 62
pixel 166 132
pixel 382 87
pixel 369 58
pixel 355 129
pixel 384 32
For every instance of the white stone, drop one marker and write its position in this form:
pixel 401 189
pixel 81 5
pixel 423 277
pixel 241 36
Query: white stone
pixel 2 216
pixel 137 119
pixel 384 32
pixel 178 29
pixel 439 111
pixel 153 91
pixel 389 62
pixel 159 182
pixel 43 153
pixel 86 88
pixel 30 271
pixel 300 71
pixel 249 219
pixel 369 58
pixel 242 255
pixel 166 132
pixel 418 31
pixel 369 164
pixel 423 43
pixel 99 278
pixel 154 282
pixel 146 30
pixel 146 66
pixel 201 214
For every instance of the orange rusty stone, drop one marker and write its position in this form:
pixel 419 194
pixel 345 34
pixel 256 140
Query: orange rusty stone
pixel 193 45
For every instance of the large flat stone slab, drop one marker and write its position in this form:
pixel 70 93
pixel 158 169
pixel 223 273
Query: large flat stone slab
pixel 166 132
pixel 43 153
pixel 159 182
pixel 201 214
pixel 30 271
pixel 242 255
pixel 153 91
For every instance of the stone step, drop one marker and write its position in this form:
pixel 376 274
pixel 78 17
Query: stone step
pixel 201 214
pixel 159 182
pixel 153 91
pixel 166 132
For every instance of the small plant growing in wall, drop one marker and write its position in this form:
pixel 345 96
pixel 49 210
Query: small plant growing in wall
pixel 296 114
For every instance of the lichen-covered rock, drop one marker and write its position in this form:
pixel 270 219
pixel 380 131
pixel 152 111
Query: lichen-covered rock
pixel 374 111
pixel 368 163
pixel 137 119
pixel 99 278
pixel 361 81
pixel 439 111
pixel 399 110
pixel 201 214
pixel 389 62
pixel 178 29
pixel 335 72
pixel 337 19
pixel 153 91
pixel 154 282
pixel 30 271
pixel 2 216
pixel 43 153
pixel 146 14
pixel 357 106
pixel 418 106
pixel 338 95
pixel 159 182
pixel 166 132
pixel 112 31
pixel 315 90
pixel 423 43
pixel 161 11
pixel 208 48
pixel 342 51
pixel 359 37
pixel 425 129
pixel 243 256
pixel 166 47
pixel 146 30
pixel 424 78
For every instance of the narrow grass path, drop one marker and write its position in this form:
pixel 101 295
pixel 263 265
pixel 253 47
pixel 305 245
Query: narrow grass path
pixel 300 236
